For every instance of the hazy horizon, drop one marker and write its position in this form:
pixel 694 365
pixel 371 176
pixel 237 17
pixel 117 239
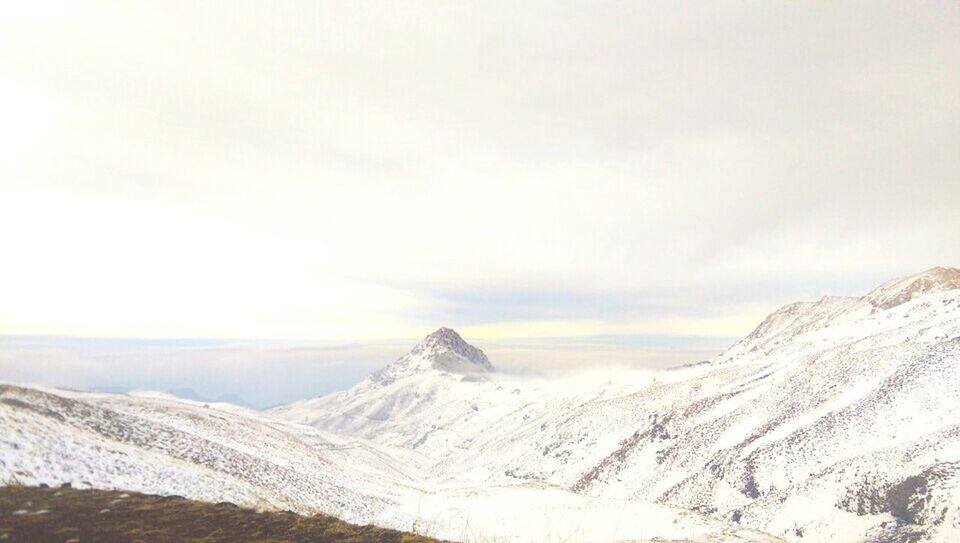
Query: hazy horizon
pixel 263 373
pixel 549 179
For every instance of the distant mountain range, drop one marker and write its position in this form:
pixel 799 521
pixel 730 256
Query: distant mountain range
pixel 184 393
pixel 834 420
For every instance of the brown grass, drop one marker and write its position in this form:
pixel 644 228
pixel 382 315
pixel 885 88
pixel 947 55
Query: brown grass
pixel 38 515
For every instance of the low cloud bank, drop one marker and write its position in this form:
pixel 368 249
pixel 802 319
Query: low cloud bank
pixel 265 373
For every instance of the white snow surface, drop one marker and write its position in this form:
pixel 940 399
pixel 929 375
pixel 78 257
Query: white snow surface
pixel 835 420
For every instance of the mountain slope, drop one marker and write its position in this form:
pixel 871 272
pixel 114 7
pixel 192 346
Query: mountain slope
pixel 156 444
pixel 160 445
pixel 421 400
pixel 834 420
pixel 55 515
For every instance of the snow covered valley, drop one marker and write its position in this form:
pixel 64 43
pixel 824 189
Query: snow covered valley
pixel 835 420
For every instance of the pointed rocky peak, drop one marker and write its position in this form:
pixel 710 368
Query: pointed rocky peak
pixel 443 350
pixel 903 290
pixel 448 341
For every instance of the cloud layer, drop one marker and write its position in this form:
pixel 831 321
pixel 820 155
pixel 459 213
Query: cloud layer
pixel 266 373
pixel 324 170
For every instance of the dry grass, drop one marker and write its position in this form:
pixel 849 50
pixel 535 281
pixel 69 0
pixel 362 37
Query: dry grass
pixel 38 514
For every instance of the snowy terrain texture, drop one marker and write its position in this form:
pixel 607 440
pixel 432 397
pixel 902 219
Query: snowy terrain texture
pixel 835 420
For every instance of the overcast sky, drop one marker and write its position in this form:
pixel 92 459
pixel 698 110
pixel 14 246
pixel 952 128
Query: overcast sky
pixel 364 170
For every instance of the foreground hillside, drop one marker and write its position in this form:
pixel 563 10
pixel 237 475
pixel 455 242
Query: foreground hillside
pixel 55 515
pixel 160 445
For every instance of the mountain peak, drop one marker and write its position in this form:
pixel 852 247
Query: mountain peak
pixel 444 346
pixel 442 350
pixel 446 338
pixel 800 317
pixel 444 334
pixel 898 291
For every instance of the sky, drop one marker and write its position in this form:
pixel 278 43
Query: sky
pixel 370 171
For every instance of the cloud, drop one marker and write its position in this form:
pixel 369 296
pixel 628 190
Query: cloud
pixel 313 171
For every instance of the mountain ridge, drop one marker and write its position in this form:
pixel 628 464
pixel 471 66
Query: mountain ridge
pixel 833 420
pixel 762 435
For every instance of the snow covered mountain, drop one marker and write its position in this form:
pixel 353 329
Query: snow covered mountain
pixel 157 443
pixel 424 401
pixel 443 350
pixel 834 420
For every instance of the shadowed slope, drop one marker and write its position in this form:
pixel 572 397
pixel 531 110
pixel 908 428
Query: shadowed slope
pixel 39 515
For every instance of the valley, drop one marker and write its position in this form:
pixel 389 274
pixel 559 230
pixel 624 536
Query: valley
pixel 834 420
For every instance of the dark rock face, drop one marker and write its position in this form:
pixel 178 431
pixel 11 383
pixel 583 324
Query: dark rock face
pixel 908 498
pixel 910 501
pixel 865 497
pixel 913 499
